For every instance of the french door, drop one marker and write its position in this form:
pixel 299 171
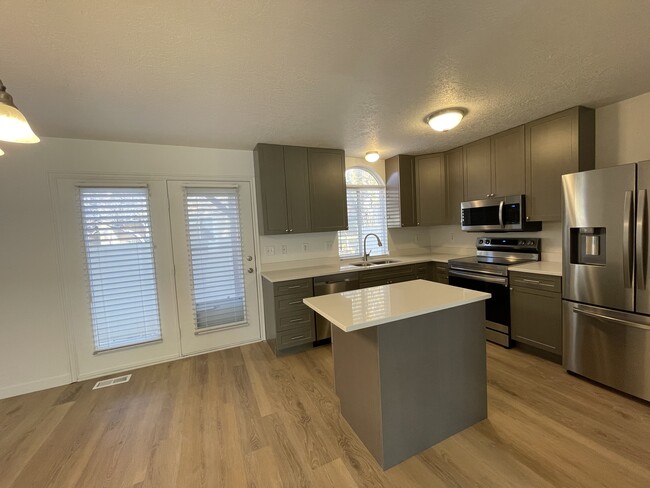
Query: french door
pixel 214 255
pixel 155 269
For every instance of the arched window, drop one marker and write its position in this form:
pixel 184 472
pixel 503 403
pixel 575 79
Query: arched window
pixel 366 214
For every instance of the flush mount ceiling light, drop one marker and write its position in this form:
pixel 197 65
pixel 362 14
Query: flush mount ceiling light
pixel 2 153
pixel 372 156
pixel 446 119
pixel 13 125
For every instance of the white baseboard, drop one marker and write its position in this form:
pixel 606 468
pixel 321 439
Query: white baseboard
pixel 128 367
pixel 31 386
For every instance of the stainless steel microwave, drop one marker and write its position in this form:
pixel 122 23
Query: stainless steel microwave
pixel 497 214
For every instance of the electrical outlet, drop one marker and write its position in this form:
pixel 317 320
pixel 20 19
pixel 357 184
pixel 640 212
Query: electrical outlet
pixel 305 247
pixel 269 251
pixel 328 245
pixel 284 249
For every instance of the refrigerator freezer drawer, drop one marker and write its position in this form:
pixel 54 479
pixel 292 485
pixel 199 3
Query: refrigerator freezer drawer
pixel 607 346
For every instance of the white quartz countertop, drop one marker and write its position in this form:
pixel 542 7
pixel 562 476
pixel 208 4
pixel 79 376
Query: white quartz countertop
pixel 346 267
pixel 539 267
pixel 369 307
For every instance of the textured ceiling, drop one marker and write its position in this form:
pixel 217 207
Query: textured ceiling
pixel 355 74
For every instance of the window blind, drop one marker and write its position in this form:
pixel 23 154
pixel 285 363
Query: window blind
pixel 215 247
pixel 116 228
pixel 366 214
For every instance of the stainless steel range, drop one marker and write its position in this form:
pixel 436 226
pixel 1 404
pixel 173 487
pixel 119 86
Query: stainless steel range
pixel 488 272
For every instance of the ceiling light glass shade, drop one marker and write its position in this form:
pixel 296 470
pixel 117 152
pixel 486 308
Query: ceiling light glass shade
pixel 2 153
pixel 445 119
pixel 13 125
pixel 372 156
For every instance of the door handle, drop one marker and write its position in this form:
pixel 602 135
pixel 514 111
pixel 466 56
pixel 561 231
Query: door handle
pixel 501 213
pixel 610 319
pixel 641 240
pixel 627 228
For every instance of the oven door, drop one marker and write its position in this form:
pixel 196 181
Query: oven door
pixel 497 308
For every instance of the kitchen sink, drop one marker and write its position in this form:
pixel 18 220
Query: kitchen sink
pixel 365 264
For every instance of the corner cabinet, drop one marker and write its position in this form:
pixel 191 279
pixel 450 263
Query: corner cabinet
pixel 430 191
pixel 454 173
pixel 555 145
pixel 300 189
pixel 400 191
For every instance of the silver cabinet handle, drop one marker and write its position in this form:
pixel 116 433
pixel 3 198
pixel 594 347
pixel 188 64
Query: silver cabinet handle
pixel 295 338
pixel 293 286
pixel 296 302
pixel 296 320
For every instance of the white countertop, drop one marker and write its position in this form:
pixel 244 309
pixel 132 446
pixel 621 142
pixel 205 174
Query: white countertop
pixel 346 267
pixel 369 307
pixel 539 267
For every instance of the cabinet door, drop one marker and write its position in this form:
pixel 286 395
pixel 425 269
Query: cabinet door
pixel 537 318
pixel 271 189
pixel 555 145
pixel 328 198
pixel 478 173
pixel 430 189
pixel 400 191
pixel 454 170
pixel 509 162
pixel 296 169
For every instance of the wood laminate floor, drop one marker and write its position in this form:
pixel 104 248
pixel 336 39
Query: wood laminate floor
pixel 242 417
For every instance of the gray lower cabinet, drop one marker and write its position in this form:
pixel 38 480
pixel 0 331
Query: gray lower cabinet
pixel 536 311
pixel 441 273
pixel 289 322
pixel 395 274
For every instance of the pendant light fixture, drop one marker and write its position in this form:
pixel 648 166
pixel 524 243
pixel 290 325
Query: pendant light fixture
pixel 444 120
pixel 372 156
pixel 13 125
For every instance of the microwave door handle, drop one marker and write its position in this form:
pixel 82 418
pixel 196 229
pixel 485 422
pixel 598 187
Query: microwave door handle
pixel 641 240
pixel 627 227
pixel 501 213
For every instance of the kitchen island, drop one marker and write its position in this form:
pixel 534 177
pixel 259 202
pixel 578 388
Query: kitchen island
pixel 409 363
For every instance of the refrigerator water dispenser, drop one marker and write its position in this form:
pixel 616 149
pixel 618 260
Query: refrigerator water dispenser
pixel 588 246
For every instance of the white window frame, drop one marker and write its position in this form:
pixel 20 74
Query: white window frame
pixel 361 232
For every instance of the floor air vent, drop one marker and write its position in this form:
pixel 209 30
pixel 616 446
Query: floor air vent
pixel 112 381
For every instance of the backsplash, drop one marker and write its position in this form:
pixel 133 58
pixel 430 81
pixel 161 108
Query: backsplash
pixel 450 239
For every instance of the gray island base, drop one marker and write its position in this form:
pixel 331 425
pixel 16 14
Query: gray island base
pixel 408 383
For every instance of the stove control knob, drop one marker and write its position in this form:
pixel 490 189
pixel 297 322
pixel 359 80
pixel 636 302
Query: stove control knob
pixel 531 243
pixel 521 243
pixel 480 241
pixel 487 241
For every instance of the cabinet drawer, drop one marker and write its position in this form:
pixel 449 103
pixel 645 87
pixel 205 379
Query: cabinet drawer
pixel 290 304
pixel 300 319
pixel 387 281
pixel 294 337
pixel 294 287
pixel 536 281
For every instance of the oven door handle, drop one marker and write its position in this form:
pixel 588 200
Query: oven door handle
pixel 499 280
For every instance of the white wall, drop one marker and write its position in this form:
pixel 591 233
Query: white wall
pixel 622 132
pixel 33 351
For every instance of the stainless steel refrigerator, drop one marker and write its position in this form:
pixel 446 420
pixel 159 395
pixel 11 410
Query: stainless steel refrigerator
pixel 605 289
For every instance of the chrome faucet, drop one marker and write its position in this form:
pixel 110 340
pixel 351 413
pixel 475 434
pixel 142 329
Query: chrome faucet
pixel 366 254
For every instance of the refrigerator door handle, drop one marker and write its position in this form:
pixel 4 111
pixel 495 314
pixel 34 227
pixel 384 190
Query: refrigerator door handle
pixel 627 242
pixel 610 319
pixel 641 240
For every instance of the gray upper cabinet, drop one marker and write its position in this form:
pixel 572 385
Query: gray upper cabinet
pixel 271 189
pixel 300 189
pixel 454 171
pixel 328 193
pixel 478 170
pixel 509 162
pixel 430 189
pixel 555 145
pixel 400 191
pixel 297 182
